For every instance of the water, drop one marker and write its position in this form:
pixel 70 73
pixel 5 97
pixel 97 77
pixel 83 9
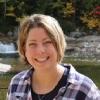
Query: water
pixel 10 61
pixel 16 64
pixel 7 48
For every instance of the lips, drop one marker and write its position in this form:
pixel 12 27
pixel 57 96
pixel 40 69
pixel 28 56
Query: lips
pixel 40 60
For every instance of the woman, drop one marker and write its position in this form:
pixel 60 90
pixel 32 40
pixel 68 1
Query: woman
pixel 42 45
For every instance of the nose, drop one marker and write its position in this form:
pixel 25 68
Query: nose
pixel 41 49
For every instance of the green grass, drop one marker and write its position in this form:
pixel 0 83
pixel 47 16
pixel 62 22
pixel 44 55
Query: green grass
pixel 89 68
pixel 4 81
pixel 3 94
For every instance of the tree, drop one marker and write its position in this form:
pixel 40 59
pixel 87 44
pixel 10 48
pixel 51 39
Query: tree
pixel 72 14
pixel 91 17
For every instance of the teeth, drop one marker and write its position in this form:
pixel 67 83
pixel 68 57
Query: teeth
pixel 41 59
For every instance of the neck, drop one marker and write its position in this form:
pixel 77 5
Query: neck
pixel 45 81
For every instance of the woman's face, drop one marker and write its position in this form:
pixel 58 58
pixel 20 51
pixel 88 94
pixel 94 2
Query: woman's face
pixel 39 50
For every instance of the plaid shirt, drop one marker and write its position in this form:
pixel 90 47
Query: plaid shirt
pixel 78 87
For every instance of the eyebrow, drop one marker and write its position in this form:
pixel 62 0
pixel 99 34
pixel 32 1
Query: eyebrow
pixel 42 40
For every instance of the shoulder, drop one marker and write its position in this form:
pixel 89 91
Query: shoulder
pixel 21 77
pixel 82 84
pixel 87 87
pixel 19 84
pixel 77 78
pixel 19 81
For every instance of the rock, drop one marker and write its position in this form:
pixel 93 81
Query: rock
pixel 85 47
pixel 4 68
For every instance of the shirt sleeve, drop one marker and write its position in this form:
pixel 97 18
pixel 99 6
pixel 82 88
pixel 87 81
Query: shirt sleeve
pixel 94 93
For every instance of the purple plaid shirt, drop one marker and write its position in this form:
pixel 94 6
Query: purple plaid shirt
pixel 78 87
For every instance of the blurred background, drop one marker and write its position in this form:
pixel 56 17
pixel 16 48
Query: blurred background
pixel 80 21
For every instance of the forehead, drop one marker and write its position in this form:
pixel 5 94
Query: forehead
pixel 38 33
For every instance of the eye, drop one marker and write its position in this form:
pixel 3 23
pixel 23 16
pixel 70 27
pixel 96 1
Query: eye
pixel 48 42
pixel 32 44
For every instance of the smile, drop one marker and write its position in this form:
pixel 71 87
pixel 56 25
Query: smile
pixel 41 59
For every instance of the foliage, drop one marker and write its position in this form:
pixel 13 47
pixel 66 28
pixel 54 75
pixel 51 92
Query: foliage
pixel 69 10
pixel 92 19
pixel 91 22
pixel 72 14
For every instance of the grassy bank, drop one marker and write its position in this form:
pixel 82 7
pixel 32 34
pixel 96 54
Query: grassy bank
pixel 4 81
pixel 90 68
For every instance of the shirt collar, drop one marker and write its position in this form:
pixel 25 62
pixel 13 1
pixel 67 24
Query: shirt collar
pixel 73 76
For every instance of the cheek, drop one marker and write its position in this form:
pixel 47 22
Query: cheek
pixel 53 53
pixel 29 53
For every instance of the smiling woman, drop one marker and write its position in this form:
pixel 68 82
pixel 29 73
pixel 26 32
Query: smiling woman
pixel 39 49
pixel 42 45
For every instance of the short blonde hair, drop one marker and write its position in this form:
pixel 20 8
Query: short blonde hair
pixel 52 27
